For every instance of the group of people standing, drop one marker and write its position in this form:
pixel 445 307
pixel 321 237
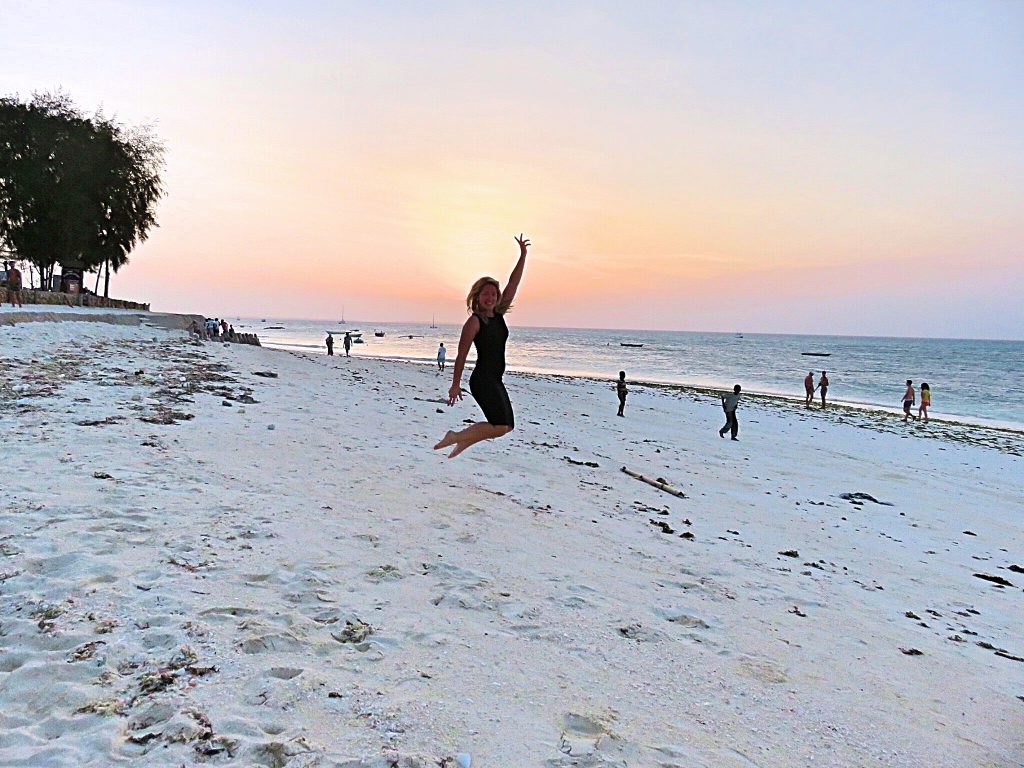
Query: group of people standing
pixel 213 329
pixel 218 329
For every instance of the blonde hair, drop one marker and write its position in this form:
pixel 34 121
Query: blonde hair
pixel 473 297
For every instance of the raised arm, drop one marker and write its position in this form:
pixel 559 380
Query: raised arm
pixel 517 274
pixel 469 332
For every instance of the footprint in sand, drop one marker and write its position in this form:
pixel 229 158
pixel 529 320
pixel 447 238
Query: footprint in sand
pixel 271 642
pixel 284 673
pixel 762 669
pixel 587 742
pixel 694 627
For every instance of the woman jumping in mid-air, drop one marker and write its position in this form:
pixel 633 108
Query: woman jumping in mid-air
pixel 487 330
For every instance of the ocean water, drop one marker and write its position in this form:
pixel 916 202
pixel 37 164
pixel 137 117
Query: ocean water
pixel 977 381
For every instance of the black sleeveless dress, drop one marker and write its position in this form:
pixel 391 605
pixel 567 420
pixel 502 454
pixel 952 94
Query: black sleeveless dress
pixel 485 382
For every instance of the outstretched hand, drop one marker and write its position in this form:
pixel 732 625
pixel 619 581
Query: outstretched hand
pixel 454 393
pixel 523 244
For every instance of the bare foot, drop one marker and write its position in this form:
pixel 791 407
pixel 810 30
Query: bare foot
pixel 450 438
pixel 459 448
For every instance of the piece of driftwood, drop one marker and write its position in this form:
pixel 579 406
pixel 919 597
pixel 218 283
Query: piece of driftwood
pixel 658 483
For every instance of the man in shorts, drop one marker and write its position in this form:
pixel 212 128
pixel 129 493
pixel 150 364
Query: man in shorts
pixel 809 388
pixel 908 401
pixel 13 284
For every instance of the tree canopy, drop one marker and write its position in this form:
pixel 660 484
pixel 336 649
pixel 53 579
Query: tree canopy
pixel 74 189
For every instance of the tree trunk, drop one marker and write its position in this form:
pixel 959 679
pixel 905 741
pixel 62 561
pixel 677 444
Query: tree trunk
pixel 106 281
pixel 99 271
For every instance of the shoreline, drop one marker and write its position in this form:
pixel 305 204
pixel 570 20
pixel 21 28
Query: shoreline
pixel 1010 434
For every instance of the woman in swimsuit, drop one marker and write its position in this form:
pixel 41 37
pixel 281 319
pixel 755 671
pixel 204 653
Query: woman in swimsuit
pixel 486 329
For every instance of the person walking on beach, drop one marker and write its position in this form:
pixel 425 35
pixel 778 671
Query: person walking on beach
pixel 486 329
pixel 908 402
pixel 620 390
pixel 14 284
pixel 823 386
pixel 442 353
pixel 809 389
pixel 347 341
pixel 729 403
pixel 926 401
pixel 329 341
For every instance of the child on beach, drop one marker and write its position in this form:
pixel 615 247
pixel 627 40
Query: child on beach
pixel 442 353
pixel 485 329
pixel 620 389
pixel 908 401
pixel 926 400
pixel 329 341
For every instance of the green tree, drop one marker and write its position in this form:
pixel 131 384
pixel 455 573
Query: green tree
pixel 74 189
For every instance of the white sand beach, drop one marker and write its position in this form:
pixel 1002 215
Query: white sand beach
pixel 204 566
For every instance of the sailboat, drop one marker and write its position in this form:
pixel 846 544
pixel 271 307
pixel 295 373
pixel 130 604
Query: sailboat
pixel 342 314
pixel 432 323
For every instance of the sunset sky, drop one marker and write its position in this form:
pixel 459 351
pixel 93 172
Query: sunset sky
pixel 793 167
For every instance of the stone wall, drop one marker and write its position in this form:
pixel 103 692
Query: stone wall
pixel 78 300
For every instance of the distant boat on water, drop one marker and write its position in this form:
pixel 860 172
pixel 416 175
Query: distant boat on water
pixel 379 334
pixel 432 323
pixel 627 344
pixel 817 354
